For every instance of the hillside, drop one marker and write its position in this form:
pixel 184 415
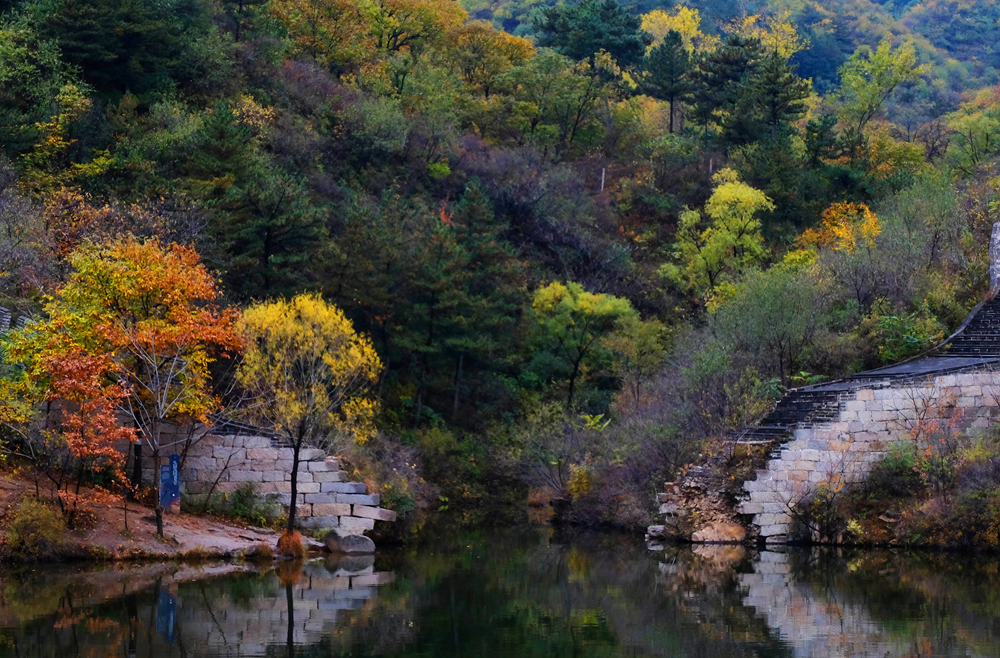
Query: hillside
pixel 582 239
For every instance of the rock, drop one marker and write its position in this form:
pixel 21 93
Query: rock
pixel 720 533
pixel 350 565
pixel 338 541
pixel 657 531
pixel 668 509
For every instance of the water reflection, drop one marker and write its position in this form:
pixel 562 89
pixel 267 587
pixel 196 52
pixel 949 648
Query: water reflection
pixel 518 595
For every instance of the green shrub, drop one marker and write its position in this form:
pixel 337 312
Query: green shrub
pixel 898 475
pixel 35 529
pixel 244 504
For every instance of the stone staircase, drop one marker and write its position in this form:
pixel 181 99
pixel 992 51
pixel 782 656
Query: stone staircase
pixel 832 433
pixel 981 335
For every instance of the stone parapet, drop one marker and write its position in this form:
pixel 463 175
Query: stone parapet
pixel 326 498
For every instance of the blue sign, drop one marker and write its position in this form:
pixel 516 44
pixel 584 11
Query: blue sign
pixel 170 481
pixel 166 614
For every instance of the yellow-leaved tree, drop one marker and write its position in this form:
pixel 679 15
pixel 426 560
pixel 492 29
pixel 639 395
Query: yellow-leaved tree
pixel 850 224
pixel 731 243
pixel 683 20
pixel 307 373
pixel 776 32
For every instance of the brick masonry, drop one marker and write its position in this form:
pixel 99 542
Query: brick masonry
pixel 871 419
pixel 325 497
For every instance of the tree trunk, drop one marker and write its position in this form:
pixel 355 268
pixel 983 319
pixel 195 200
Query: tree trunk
pixel 136 471
pixel 296 449
pixel 458 384
pixel 156 491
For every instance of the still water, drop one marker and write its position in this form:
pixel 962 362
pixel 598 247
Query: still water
pixel 514 594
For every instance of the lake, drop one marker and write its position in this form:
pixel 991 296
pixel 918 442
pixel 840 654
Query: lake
pixel 521 593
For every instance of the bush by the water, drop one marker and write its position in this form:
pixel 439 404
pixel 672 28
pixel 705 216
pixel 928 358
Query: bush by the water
pixel 34 530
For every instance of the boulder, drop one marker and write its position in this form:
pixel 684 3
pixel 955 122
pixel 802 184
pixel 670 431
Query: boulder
pixel 338 541
pixel 721 532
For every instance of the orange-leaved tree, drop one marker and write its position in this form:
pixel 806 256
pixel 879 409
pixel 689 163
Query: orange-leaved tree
pixel 132 334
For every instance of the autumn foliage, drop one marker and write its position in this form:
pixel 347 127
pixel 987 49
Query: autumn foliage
pixel 124 351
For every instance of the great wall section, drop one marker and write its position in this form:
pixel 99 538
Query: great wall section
pixel 832 434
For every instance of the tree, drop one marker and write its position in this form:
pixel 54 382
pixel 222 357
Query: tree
pixel 573 321
pixel 481 53
pixel 684 20
pixel 868 78
pixel 581 31
pixel 306 372
pixel 141 318
pixel 120 45
pixel 639 350
pixel 778 94
pixel 730 244
pixel 773 316
pixel 665 73
pixel 410 25
pixel 722 78
pixel 334 32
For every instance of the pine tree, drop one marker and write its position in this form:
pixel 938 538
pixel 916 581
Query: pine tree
pixel 778 94
pixel 665 73
pixel 722 79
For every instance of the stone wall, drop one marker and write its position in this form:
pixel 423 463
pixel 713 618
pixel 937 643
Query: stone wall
pixel 325 497
pixel 871 418
pixel 815 622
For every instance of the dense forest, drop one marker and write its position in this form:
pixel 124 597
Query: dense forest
pixel 583 238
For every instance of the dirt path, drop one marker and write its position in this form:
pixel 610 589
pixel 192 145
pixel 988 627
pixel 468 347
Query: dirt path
pixel 182 533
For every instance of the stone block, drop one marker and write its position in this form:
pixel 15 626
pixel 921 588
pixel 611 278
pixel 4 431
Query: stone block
pixel 343 487
pixel 971 391
pixel 751 508
pixel 330 476
pixel 308 487
pixel 284 453
pixel 774 530
pixel 304 475
pixel 849 416
pixel 268 487
pixel 357 499
pixel 873 405
pixel 257 442
pixel 233 454
pixel 310 454
pixel 319 521
pixel 240 475
pixel 354 524
pixel 273 476
pixel 854 405
pixel 302 511
pixel 334 509
pixel 865 395
pixel 798 476
pixel 966 402
pixel 376 513
pixel 196 487
pixel 810 455
pixel 261 454
pixel 324 466
pixel 320 498
pixel 805 466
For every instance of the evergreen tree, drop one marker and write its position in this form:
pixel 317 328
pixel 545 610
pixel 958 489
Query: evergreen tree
pixel 123 45
pixel 665 73
pixel 722 79
pixel 778 94
pixel 580 31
